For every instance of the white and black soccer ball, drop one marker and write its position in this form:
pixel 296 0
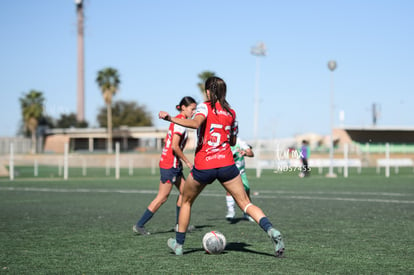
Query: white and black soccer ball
pixel 214 242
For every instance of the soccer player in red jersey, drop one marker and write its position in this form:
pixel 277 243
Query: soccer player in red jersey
pixel 171 168
pixel 217 130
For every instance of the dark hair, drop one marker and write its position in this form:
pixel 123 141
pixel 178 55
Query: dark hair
pixel 218 91
pixel 186 101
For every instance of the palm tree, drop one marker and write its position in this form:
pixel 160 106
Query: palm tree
pixel 203 77
pixel 32 110
pixel 108 81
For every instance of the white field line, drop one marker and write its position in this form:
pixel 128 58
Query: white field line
pixel 339 193
pixel 282 194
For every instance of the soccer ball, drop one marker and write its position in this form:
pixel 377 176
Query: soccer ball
pixel 214 242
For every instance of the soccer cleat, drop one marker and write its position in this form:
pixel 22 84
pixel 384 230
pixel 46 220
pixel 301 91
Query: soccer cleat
pixel 177 248
pixel 140 230
pixel 277 242
pixel 230 215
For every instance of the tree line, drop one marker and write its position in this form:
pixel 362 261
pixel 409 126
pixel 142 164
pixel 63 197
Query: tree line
pixel 113 114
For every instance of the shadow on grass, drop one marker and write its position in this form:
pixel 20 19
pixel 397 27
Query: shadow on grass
pixel 196 228
pixel 233 220
pixel 237 220
pixel 239 247
pixel 242 247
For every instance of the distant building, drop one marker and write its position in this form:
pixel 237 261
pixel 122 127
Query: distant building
pixel 95 139
pixel 359 139
pixel 374 138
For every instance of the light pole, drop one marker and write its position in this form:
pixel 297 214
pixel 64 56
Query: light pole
pixel 332 67
pixel 80 114
pixel 259 51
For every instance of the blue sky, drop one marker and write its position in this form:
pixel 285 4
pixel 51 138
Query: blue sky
pixel 159 48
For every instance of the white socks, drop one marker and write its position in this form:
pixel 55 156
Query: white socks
pixel 230 203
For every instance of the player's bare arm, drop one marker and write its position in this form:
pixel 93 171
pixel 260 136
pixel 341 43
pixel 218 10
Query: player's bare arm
pixel 248 153
pixel 193 123
pixel 177 150
pixel 233 139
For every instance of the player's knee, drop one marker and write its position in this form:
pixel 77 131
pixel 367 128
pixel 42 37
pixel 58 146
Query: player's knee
pixel 163 199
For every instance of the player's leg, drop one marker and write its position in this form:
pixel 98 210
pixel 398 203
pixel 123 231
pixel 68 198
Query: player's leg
pixel 180 186
pixel 247 189
pixel 164 190
pixel 245 184
pixel 236 189
pixel 306 167
pixel 231 213
pixel 192 189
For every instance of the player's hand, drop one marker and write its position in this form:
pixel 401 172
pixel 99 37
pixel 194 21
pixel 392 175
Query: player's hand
pixel 164 115
pixel 189 165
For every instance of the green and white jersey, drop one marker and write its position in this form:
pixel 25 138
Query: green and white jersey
pixel 239 159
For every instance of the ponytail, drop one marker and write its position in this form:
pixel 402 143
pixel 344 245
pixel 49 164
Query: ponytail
pixel 218 91
pixel 186 101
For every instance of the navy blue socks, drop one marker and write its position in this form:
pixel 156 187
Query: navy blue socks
pixel 180 237
pixel 265 224
pixel 145 218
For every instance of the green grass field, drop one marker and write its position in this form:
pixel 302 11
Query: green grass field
pixel 363 224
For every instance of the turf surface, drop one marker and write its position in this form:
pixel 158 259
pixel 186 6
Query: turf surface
pixel 363 224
